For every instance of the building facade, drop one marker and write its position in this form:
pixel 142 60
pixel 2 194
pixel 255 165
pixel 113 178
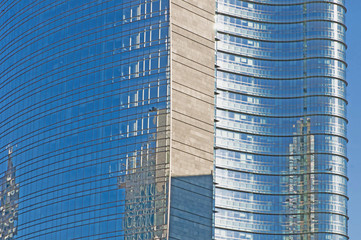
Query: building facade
pixel 280 153
pixel 93 107
pixel 173 119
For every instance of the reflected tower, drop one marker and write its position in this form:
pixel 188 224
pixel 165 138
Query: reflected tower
pixel 9 197
pixel 145 185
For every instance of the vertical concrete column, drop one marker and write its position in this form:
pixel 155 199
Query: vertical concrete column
pixel 192 118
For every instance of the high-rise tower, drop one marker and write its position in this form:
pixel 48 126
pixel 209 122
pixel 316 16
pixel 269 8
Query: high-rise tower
pixel 173 119
pixel 110 118
pixel 281 120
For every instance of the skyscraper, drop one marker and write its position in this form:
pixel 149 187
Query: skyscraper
pixel 99 105
pixel 281 120
pixel 173 119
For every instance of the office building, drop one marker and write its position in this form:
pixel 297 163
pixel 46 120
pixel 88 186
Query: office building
pixel 173 119
pixel 281 120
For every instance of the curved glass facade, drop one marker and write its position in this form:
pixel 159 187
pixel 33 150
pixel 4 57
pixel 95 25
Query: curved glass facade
pixel 84 103
pixel 106 128
pixel 280 155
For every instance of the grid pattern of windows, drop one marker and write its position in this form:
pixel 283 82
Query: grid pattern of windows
pixel 84 105
pixel 280 155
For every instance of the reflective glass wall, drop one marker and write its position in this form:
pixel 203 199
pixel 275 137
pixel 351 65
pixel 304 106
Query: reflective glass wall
pixel 280 120
pixel 84 128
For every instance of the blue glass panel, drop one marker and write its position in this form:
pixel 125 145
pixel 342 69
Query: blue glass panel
pixel 84 100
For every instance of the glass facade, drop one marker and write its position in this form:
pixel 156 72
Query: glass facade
pixel 280 154
pixel 84 105
pixel 106 128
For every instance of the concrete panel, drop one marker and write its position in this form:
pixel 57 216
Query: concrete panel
pixel 192 93
pixel 192 119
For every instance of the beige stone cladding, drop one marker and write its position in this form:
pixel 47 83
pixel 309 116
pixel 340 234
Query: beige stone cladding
pixel 192 87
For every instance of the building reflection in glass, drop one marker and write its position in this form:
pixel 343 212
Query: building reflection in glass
pixel 145 181
pixel 301 181
pixel 9 196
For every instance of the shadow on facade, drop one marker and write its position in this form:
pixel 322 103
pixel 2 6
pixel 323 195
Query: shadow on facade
pixel 191 207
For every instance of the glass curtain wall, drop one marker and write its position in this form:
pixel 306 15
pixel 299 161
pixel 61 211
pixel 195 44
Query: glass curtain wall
pixel 84 129
pixel 280 149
